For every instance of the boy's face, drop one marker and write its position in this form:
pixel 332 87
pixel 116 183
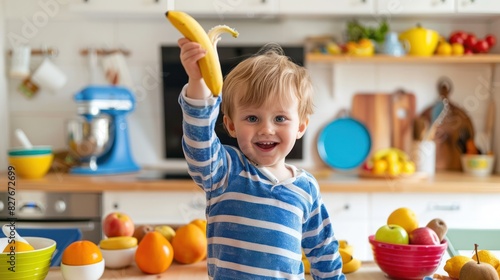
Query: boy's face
pixel 266 134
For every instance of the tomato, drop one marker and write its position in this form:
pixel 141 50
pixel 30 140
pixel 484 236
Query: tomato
pixel 470 42
pixel 81 252
pixel 458 38
pixel 491 40
pixel 481 46
pixel 154 254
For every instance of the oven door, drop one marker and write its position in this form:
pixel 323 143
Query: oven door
pixel 90 229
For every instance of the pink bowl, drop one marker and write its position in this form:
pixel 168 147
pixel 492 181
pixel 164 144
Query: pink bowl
pixel 407 261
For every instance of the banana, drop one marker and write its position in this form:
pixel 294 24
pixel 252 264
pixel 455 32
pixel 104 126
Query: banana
pixel 209 65
pixel 119 242
pixel 343 244
pixel 346 256
pixel 351 265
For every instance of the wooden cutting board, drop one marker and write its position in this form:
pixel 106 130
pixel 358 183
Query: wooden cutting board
pixel 388 117
pixel 374 111
pixel 403 112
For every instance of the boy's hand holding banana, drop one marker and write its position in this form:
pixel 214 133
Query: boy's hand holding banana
pixel 209 64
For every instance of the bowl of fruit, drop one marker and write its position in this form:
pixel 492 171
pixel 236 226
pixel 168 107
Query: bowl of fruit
pixel 389 163
pixel 405 250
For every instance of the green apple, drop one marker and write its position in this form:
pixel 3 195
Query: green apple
pixel 393 234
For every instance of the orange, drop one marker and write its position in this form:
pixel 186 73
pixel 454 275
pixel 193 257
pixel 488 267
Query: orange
pixel 190 244
pixel 404 217
pixel 202 224
pixel 18 246
pixel 81 252
pixel 154 254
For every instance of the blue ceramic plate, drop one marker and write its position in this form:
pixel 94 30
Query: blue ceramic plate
pixel 344 143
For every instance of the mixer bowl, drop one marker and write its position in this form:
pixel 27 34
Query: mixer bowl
pixel 89 139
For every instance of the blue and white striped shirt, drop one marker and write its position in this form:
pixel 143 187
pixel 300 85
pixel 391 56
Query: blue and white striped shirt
pixel 257 226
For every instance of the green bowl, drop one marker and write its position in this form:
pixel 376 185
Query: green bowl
pixel 36 150
pixel 31 264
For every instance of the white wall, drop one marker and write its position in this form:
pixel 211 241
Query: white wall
pixel 43 117
pixel 4 111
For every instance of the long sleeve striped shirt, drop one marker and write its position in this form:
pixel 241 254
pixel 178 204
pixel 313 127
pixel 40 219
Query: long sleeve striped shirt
pixel 256 225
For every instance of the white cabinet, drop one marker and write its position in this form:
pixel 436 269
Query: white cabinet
pixel 404 7
pixel 349 216
pixel 478 6
pixel 227 8
pixel 326 7
pixel 121 8
pixel 173 208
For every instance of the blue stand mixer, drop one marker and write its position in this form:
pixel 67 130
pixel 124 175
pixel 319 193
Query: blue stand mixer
pixel 99 137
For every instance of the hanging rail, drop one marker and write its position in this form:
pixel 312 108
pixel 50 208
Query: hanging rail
pixel 104 51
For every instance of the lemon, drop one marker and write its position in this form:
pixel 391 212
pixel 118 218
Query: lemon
pixel 392 157
pixel 394 168
pixel 409 167
pixel 379 166
pixel 486 256
pixel 454 264
pixel 18 246
pixel 405 218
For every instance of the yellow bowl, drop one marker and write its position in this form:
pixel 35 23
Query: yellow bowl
pixel 30 264
pixel 32 166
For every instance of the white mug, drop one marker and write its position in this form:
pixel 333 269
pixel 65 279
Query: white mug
pixel 20 63
pixel 48 76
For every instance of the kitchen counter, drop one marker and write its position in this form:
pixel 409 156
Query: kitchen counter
pixel 368 271
pixel 449 182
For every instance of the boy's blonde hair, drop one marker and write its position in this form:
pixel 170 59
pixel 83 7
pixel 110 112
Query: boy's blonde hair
pixel 268 76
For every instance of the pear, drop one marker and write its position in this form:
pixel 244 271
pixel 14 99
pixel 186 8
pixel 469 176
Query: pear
pixel 477 270
pixel 167 231
pixel 439 226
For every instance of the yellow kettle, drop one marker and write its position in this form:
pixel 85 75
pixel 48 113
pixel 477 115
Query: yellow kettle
pixel 420 41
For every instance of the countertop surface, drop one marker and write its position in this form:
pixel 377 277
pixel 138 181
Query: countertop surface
pixel 368 271
pixel 450 182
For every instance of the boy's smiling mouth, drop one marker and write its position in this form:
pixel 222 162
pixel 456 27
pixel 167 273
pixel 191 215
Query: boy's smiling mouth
pixel 266 145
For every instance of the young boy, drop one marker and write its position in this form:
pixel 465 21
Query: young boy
pixel 260 211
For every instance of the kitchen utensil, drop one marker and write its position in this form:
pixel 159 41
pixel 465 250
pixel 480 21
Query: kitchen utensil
pixel 447 134
pixel 403 106
pixel 10 232
pixel 21 136
pixel 344 143
pixel 421 41
pixel 374 111
pixel 420 127
pixel 424 156
pixel 431 133
pixel 100 137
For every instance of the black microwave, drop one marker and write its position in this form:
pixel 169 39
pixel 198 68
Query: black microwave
pixel 174 78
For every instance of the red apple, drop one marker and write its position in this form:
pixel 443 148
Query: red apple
pixel 470 42
pixel 393 234
pixel 117 224
pixel 481 46
pixel 491 40
pixel 424 236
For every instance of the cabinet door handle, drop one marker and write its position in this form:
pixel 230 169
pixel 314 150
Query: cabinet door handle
pixel 444 207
